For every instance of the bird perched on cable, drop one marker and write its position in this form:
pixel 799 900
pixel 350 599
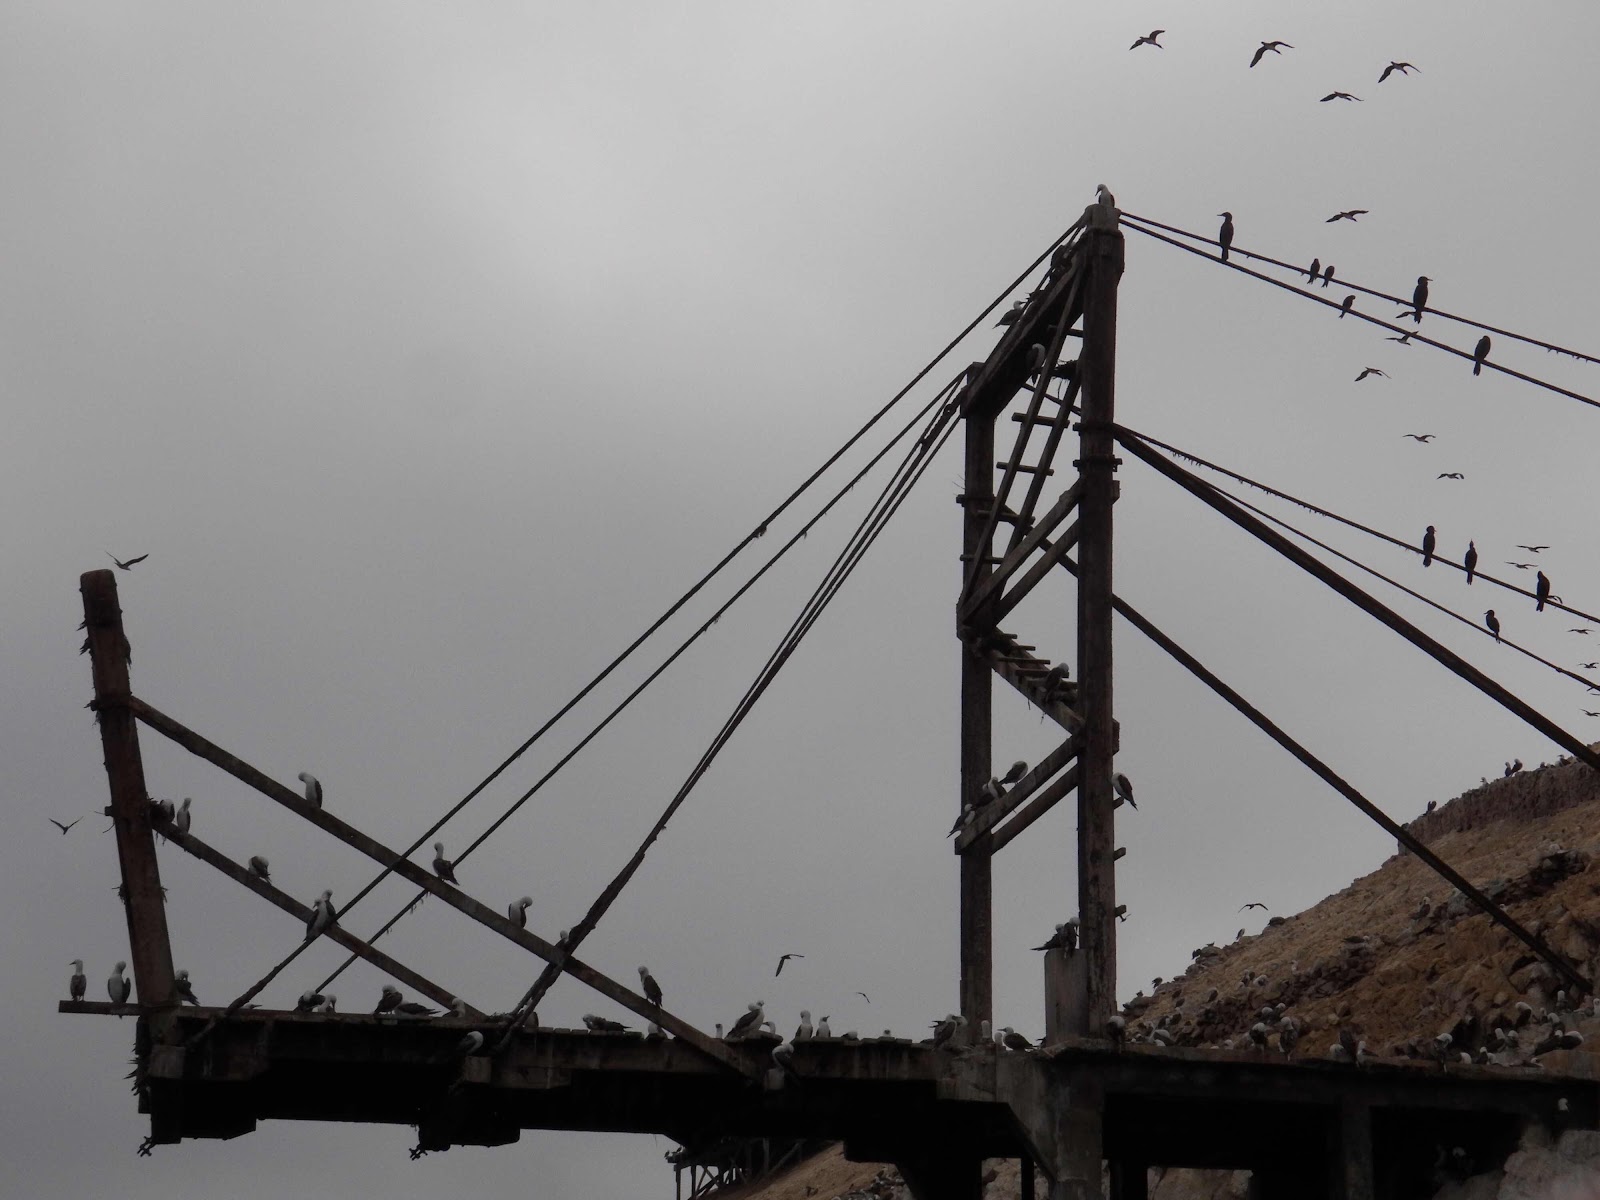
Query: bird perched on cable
pixel 125 565
pixel 313 788
pixel 1314 270
pixel 517 911
pixel 442 866
pixel 185 988
pixel 1470 561
pixel 1339 96
pixel 783 959
pixel 1327 275
pixel 1429 542
pixel 652 989
pixel 1349 214
pixel 1365 371
pixel 1541 591
pixel 1492 623
pixel 1253 904
pixel 1450 475
pixel 1404 68
pixel 1273 46
pixel 1532 549
pixel 1424 438
pixel 1225 235
pixel 1349 303
pixel 118 987
pixel 1479 353
pixel 78 985
pixel 258 868
pixel 1149 39
pixel 1123 789
pixel 1419 299
pixel 323 915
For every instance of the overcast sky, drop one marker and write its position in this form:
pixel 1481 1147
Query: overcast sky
pixel 429 351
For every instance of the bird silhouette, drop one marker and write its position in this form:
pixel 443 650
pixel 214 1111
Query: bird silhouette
pixel 1225 235
pixel 1404 68
pixel 1424 438
pixel 1349 303
pixel 1585 632
pixel 1253 904
pixel 1313 270
pixel 1349 214
pixel 1593 666
pixel 1452 475
pixel 1429 542
pixel 1149 39
pixel 1492 623
pixel 1470 560
pixel 1404 339
pixel 1365 371
pixel 1479 353
pixel 1518 566
pixel 1009 317
pixel 1541 591
pixel 60 826
pixel 128 564
pixel 1327 275
pixel 1419 299
pixel 785 959
pixel 1532 549
pixel 1273 46
pixel 1588 713
pixel 1338 96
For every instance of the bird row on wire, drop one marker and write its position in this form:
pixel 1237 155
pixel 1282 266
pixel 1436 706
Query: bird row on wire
pixel 994 790
pixel 1469 561
pixel 1278 46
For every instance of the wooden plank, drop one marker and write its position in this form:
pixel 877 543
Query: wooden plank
pixel 1052 443
pixel 1037 571
pixel 209 855
pixel 455 897
pixel 1013 560
pixel 1036 808
pixel 1097 894
pixel 996 811
pixel 150 948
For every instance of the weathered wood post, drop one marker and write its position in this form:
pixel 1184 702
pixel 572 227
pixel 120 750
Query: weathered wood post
pixel 150 949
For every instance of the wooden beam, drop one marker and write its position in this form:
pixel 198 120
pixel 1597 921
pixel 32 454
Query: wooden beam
pixel 1013 560
pixel 996 811
pixel 1097 895
pixel 414 980
pixel 453 896
pixel 1037 571
pixel 150 948
pixel 1025 673
pixel 1036 808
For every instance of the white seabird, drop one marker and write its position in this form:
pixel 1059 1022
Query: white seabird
pixel 1102 195
pixel 783 1056
pixel 804 1032
pixel 118 987
pixel 946 1029
pixel 185 989
pixel 410 1008
pixel 322 916
pixel 822 1029
pixel 1123 789
pixel 330 1003
pixel 79 983
pixel 458 1007
pixel 747 1023
pixel 389 1001
pixel 180 820
pixel 967 816
pixel 470 1044
pixel 1014 772
pixel 517 912
pixel 652 989
pixel 258 868
pixel 1014 1040
pixel 313 788
pixel 442 866
pixel 991 791
pixel 310 1001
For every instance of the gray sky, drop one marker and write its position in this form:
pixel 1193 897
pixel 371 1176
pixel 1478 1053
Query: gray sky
pixel 430 351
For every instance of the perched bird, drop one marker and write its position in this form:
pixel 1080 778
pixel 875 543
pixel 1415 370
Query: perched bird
pixel 1419 298
pixel 991 791
pixel 1009 317
pixel 1541 591
pixel 1532 549
pixel 1014 1040
pixel 125 565
pixel 1273 46
pixel 804 1031
pixel 652 989
pixel 747 1023
pixel 1349 303
pixel 458 1008
pixel 322 916
pixel 946 1029
pixel 330 1003
pixel 1014 772
pixel 310 1001
pixel 1339 96
pixel 1470 561
pixel 1064 938
pixel 1327 275
pixel 1480 352
pixel 1149 39
pixel 1429 543
pixel 1365 371
pixel 78 985
pixel 1123 789
pixel 1054 679
pixel 1314 270
pixel 1117 1028
pixel 185 989
pixel 470 1044
pixel 1349 214
pixel 1253 904
pixel 180 820
pixel 389 1000
pixel 1424 438
pixel 1451 475
pixel 1492 623
pixel 60 826
pixel 1404 68
pixel 410 1008
pixel 967 815
pixel 783 1059
pixel 442 866
pixel 118 987
pixel 783 959
pixel 313 788
pixel 602 1024
pixel 1225 235
pixel 517 911
pixel 258 868
pixel 1102 195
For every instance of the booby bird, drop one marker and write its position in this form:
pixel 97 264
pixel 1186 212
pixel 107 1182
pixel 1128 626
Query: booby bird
pixel 1123 789
pixel 1541 591
pixel 1450 475
pixel 865 997
pixel 1273 46
pixel 1349 214
pixel 78 985
pixel 1149 39
pixel 1404 339
pixel 1064 938
pixel 1338 96
pixel 1480 353
pixel 1430 542
pixel 410 1008
pixel 1314 270
pixel 1365 371
pixel 117 987
pixel 1419 298
pixel 1327 275
pixel 185 989
pixel 458 1008
pixel 783 959
pixel 783 1059
pixel 991 791
pixel 1102 195
pixel 652 989
pixel 1225 235
pixel 469 1045
pixel 1349 303
pixel 747 1023
pixel 1011 315
pixel 946 1029
pixel 822 1029
pixel 258 868
pixel 330 1003
pixel 442 866
pixel 125 565
pixel 1470 561
pixel 322 916
pixel 1404 68
pixel 313 788
pixel 1014 772
pixel 1117 1028
pixel 1054 679
pixel 602 1024
pixel 965 817
pixel 1424 438
pixel 804 1031
pixel 389 1001
pixel 180 820
pixel 310 1001
pixel 517 911
pixel 1014 1040
pixel 1589 666
pixel 166 809
pixel 1493 623
pixel 60 826
pixel 1253 904
pixel 654 1032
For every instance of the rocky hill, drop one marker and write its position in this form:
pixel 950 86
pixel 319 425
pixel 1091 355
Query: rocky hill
pixel 1402 964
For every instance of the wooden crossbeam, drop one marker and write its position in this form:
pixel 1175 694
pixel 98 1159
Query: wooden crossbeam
pixel 1036 808
pixel 1052 443
pixel 1036 572
pixel 1015 557
pixel 1024 673
pixel 209 855
pixel 455 897
pixel 993 813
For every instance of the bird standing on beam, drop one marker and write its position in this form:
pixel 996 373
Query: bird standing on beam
pixel 322 916
pixel 313 788
pixel 517 911
pixel 1123 789
pixel 78 984
pixel 119 987
pixel 1479 354
pixel 185 988
pixel 1225 235
pixel 259 868
pixel 652 989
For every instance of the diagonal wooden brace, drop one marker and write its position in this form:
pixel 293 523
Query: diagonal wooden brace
pixel 992 814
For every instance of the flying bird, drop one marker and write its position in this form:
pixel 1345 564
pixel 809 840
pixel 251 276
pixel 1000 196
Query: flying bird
pixel 1273 46
pixel 322 916
pixel 78 984
pixel 442 866
pixel 1314 270
pixel 1404 339
pixel 1541 591
pixel 865 997
pixel 313 788
pixel 1590 666
pixel 1451 475
pixel 1479 353
pixel 1349 303
pixel 1254 904
pixel 517 911
pixel 1585 632
pixel 1123 789
pixel 1587 713
pixel 1365 371
pixel 1492 623
pixel 1225 235
pixel 1517 565
pixel 180 819
pixel 185 989
pixel 1327 275
pixel 1338 96
pixel 258 867
pixel 128 564
pixel 60 826
pixel 785 958
pixel 1149 39
pixel 1531 549
pixel 1420 437
pixel 1429 543
pixel 1404 68
pixel 1470 561
pixel 118 987
pixel 652 989
pixel 1349 214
